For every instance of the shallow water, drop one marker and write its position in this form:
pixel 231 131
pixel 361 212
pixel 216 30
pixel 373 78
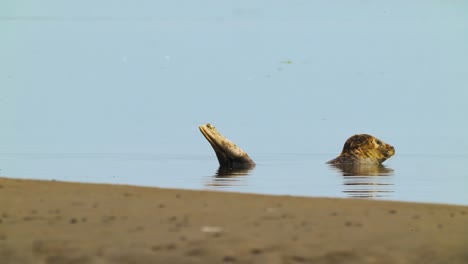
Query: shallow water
pixel 277 78
pixel 432 178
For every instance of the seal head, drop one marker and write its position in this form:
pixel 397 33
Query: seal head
pixel 364 149
pixel 229 155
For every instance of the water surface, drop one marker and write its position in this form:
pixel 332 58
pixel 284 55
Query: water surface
pixel 287 81
pixel 438 179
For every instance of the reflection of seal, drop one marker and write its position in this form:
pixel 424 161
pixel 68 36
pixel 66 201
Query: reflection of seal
pixel 228 178
pixel 349 169
pixel 364 149
pixel 366 180
pixel 230 156
pixel 228 173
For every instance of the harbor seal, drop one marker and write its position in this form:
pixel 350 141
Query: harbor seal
pixel 229 155
pixel 364 149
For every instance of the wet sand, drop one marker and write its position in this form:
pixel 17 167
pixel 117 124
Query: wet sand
pixel 57 222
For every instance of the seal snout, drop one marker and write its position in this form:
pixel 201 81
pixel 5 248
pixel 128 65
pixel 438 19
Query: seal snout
pixel 390 150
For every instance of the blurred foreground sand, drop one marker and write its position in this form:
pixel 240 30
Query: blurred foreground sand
pixel 56 222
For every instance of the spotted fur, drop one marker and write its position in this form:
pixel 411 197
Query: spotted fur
pixel 364 149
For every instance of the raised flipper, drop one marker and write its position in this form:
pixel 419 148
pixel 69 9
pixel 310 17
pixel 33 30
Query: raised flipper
pixel 230 156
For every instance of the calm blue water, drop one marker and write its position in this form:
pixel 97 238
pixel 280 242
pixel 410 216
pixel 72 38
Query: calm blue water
pixel 276 77
pixel 406 177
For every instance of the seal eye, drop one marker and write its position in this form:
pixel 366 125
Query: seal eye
pixel 379 143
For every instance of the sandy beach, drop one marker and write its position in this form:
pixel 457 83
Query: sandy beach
pixel 58 222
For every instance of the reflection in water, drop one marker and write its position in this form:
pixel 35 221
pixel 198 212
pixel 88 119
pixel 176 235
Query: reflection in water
pixel 228 177
pixel 366 181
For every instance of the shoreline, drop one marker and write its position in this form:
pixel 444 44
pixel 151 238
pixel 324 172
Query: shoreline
pixel 63 222
pixel 228 190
